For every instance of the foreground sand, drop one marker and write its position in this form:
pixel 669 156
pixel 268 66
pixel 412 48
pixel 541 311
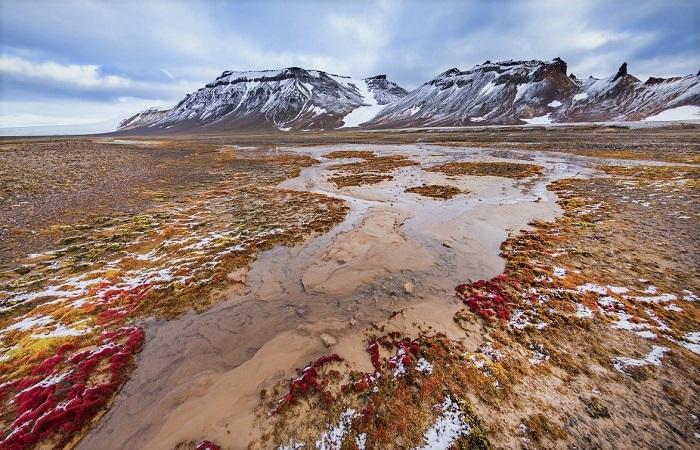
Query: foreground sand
pixel 558 359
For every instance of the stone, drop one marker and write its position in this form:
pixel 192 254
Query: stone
pixel 328 340
pixel 409 288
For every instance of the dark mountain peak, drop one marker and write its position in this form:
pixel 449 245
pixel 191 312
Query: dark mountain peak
pixel 654 80
pixel 377 77
pixel 573 77
pixel 450 73
pixel 621 72
pixel 560 64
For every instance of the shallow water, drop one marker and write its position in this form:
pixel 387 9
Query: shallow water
pixel 201 375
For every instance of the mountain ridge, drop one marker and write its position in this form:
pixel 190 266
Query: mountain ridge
pixel 491 93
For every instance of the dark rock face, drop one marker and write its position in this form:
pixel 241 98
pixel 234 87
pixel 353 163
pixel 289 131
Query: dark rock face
pixel 621 72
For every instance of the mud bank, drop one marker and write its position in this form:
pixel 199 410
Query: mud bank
pixel 201 376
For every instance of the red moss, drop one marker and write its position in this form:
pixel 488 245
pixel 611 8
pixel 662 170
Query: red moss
pixel 373 350
pixel 488 299
pixel 308 381
pixel 48 365
pixel 207 445
pixel 53 403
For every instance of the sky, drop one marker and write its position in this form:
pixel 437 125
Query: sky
pixel 81 62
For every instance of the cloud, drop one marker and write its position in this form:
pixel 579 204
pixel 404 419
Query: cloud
pixel 84 76
pixel 84 53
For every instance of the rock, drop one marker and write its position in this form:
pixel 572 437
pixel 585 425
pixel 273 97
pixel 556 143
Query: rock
pixel 328 340
pixel 353 322
pixel 595 408
pixel 446 244
pixel 409 288
pixel 621 72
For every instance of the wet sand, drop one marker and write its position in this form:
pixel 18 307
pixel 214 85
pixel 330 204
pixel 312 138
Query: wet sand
pixel 200 376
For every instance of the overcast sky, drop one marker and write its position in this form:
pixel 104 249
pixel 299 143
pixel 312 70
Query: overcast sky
pixel 72 62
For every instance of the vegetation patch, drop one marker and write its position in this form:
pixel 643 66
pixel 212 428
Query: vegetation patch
pixel 343 154
pixel 591 299
pixel 495 169
pixel 417 390
pixel 435 191
pixel 69 315
pixel 372 170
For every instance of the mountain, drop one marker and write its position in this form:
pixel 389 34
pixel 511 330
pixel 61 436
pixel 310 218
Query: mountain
pixel 506 92
pixel 142 119
pixel 286 99
pixel 516 92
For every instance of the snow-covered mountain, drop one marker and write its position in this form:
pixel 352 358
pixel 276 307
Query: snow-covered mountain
pixel 506 92
pixel 144 118
pixel 516 92
pixel 291 98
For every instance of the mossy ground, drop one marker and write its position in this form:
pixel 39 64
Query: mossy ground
pixel 549 373
pixel 86 295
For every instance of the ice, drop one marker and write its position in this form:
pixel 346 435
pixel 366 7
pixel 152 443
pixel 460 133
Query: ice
pixel 554 104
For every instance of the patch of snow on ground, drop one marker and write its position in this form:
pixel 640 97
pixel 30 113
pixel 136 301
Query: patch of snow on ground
pixel 30 322
pixel 539 354
pixel 618 289
pixel 62 331
pixel 581 96
pixel 657 298
pixel 333 438
pixel 559 272
pixel 541 120
pixel 623 322
pixel 653 357
pixel 449 427
pixel 583 311
pixel 554 104
pixel 688 296
pixel 590 287
pixel 688 112
pixel 424 366
pixel 363 113
pixel 361 441
pixel 691 341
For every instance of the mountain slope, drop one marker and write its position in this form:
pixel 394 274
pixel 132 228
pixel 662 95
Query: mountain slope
pixel 291 98
pixel 142 119
pixel 516 92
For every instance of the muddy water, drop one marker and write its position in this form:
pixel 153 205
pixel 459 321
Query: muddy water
pixel 200 376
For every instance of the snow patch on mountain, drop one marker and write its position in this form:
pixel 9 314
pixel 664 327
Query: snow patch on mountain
pixel 541 120
pixel 688 112
pixel 367 111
